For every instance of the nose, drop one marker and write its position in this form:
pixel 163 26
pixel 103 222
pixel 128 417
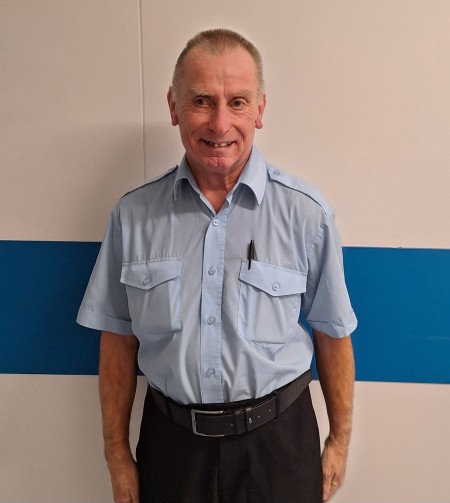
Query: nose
pixel 219 121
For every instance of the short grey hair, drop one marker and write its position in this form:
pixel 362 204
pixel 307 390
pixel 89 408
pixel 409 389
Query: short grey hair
pixel 217 41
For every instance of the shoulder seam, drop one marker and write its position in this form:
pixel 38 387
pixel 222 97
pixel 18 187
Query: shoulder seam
pixel 152 180
pixel 298 185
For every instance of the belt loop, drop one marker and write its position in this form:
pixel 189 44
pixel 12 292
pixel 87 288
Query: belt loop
pixel 249 419
pixel 240 420
pixel 277 401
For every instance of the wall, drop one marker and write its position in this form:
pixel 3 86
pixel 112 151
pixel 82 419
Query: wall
pixel 358 103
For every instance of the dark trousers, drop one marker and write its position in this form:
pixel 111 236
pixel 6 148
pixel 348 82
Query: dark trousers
pixel 279 462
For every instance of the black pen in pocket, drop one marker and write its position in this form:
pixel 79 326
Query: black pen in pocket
pixel 251 253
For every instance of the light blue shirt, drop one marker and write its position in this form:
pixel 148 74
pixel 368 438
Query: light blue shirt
pixel 176 274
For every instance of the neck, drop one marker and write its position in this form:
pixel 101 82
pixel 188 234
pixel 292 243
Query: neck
pixel 216 187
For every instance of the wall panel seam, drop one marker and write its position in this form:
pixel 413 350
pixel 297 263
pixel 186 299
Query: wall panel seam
pixel 141 62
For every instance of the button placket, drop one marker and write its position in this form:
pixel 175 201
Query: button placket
pixel 211 309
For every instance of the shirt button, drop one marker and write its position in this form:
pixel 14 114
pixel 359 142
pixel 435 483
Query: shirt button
pixel 275 287
pixel 211 320
pixel 276 172
pixel 210 372
pixel 215 221
pixel 212 271
pixel 145 281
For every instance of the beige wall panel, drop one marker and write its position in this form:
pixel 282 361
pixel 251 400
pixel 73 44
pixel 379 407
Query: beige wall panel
pixel 399 447
pixel 71 129
pixel 358 103
pixel 51 451
pixel 51 438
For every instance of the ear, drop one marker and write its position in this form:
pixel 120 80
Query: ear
pixel 172 107
pixel 261 108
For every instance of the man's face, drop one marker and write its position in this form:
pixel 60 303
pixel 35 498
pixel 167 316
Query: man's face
pixel 217 107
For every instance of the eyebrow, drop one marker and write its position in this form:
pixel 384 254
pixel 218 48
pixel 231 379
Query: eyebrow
pixel 198 91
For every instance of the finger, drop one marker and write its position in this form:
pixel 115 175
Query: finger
pixel 125 496
pixel 326 492
pixel 134 495
pixel 327 479
pixel 332 487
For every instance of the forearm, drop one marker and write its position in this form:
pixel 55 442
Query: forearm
pixel 336 369
pixel 117 386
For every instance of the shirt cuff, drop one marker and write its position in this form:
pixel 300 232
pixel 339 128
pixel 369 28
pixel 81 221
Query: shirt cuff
pixel 336 330
pixel 98 321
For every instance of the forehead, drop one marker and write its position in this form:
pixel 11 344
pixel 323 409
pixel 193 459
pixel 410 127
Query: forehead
pixel 234 67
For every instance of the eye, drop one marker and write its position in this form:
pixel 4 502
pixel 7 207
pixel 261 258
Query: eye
pixel 237 103
pixel 201 101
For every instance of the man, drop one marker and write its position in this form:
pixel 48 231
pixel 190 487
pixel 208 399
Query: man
pixel 201 277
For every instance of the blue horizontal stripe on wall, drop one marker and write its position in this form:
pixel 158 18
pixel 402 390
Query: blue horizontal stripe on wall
pixel 41 287
pixel 401 298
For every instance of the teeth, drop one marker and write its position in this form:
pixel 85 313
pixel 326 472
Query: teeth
pixel 217 145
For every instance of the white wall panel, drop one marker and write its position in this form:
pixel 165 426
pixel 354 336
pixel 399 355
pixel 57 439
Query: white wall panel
pixel 71 129
pixel 50 433
pixel 399 447
pixel 51 452
pixel 358 103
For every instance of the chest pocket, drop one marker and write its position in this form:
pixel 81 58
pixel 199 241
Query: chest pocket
pixel 154 295
pixel 269 302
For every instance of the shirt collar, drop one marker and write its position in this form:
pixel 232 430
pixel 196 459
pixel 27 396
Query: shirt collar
pixel 184 172
pixel 254 175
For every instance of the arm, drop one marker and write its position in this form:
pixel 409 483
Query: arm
pixel 117 383
pixel 335 366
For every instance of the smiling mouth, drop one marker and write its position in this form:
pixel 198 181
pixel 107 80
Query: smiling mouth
pixel 218 145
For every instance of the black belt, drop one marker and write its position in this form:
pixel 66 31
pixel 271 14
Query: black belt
pixel 232 421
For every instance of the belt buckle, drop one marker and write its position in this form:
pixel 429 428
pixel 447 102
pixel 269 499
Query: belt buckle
pixel 194 421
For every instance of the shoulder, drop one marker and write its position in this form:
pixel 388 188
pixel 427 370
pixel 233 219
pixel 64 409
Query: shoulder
pixel 151 192
pixel 301 187
pixel 154 182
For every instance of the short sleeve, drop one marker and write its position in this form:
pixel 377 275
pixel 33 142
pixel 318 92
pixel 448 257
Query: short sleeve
pixel 326 303
pixel 105 304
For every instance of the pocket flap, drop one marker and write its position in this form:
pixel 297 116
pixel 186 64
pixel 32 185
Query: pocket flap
pixel 275 281
pixel 146 275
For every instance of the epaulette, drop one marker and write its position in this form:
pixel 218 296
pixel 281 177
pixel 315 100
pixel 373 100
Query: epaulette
pixel 152 180
pixel 299 185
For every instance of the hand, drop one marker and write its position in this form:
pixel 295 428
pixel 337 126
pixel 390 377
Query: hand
pixel 125 480
pixel 334 459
